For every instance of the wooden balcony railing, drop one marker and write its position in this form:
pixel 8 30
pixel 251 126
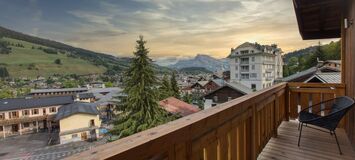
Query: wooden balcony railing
pixel 303 95
pixel 238 129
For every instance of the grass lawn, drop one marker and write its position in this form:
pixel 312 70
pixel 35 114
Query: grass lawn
pixel 19 60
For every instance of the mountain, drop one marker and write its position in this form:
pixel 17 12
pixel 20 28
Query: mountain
pixel 26 55
pixel 204 61
pixel 194 70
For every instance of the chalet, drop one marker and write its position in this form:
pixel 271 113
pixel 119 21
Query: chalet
pixel 327 77
pixel 78 121
pixel 323 67
pixel 225 93
pixel 176 106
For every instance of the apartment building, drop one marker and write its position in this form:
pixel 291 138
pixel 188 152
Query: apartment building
pixel 255 66
pixel 23 115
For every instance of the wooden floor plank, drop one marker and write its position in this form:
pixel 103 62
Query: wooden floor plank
pixel 314 144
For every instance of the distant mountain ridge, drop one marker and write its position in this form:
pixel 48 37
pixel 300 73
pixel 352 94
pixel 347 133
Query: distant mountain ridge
pixel 202 61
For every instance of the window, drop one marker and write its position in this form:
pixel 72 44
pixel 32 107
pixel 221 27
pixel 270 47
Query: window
pixel 2 115
pixel 215 98
pixel 244 60
pixel 253 67
pixel 25 125
pixel 253 59
pixel 1 128
pixel 92 123
pixel 13 115
pixel 244 68
pixel 253 86
pixel 244 76
pixel 34 124
pixel 34 111
pixel 74 135
pixel 244 52
pixel 53 109
pixel 25 112
pixel 253 75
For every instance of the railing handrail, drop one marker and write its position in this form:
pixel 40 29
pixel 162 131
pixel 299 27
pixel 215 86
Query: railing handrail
pixel 185 129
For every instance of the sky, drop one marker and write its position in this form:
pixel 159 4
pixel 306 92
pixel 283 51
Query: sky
pixel 172 28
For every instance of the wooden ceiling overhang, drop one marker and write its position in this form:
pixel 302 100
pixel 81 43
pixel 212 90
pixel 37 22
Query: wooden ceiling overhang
pixel 319 19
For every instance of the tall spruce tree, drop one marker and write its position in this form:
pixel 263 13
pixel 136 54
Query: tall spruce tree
pixel 165 89
pixel 174 86
pixel 140 108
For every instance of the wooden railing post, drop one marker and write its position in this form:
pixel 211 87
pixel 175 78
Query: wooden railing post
pixel 276 114
pixel 287 103
pixel 254 146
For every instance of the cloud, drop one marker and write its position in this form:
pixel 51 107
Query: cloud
pixel 178 28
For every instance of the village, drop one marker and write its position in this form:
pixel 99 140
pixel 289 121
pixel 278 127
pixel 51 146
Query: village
pixel 85 113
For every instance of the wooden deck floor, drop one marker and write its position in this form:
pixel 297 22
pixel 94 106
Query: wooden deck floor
pixel 314 145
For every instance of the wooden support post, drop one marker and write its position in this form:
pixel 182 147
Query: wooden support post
pixel 287 103
pixel 37 126
pixel 20 128
pixel 3 131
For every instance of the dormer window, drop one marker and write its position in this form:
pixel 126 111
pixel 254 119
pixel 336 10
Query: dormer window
pixel 244 52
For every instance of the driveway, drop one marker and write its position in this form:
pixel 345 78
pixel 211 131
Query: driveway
pixel 34 146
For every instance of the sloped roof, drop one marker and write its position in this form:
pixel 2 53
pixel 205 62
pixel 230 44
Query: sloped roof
pixel 295 76
pixel 246 44
pixel 176 106
pixel 27 103
pixel 219 82
pixel 328 77
pixel 202 83
pixel 239 87
pixel 58 90
pixel 75 108
pixel 86 95
pixel 236 86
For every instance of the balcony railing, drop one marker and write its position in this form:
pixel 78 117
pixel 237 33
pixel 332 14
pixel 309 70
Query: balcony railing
pixel 238 129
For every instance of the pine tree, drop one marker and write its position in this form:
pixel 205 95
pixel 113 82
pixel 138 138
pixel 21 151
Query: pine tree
pixel 140 108
pixel 165 89
pixel 174 86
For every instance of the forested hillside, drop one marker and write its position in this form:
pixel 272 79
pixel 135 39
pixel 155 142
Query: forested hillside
pixel 306 58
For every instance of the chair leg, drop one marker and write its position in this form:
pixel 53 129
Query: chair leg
pixel 336 139
pixel 299 137
pixel 299 125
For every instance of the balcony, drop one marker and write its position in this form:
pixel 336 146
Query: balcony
pixel 244 62
pixel 259 125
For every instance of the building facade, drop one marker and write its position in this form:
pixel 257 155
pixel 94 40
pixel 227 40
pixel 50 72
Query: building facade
pixel 78 122
pixel 255 66
pixel 20 115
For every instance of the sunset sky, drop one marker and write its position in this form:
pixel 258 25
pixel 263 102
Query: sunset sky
pixel 173 28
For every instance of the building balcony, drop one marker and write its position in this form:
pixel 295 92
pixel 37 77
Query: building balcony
pixel 244 62
pixel 260 125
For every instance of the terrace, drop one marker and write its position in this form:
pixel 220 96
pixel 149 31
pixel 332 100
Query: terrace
pixel 260 125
